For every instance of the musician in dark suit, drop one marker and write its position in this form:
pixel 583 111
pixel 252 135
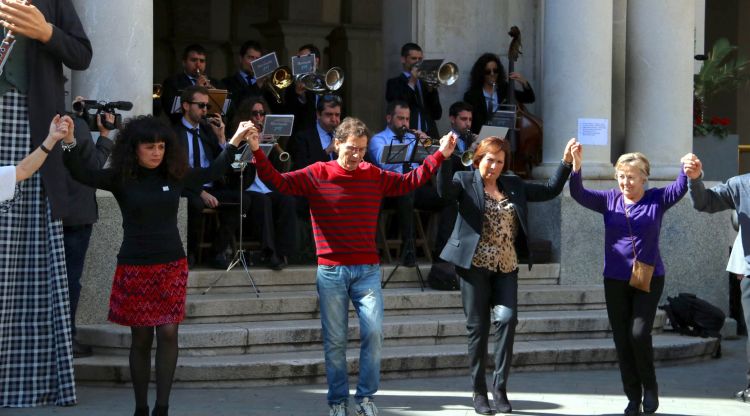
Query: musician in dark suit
pixel 208 136
pixel 315 144
pixel 298 100
pixel 491 234
pixel 243 84
pixel 424 100
pixel 489 88
pixel 193 73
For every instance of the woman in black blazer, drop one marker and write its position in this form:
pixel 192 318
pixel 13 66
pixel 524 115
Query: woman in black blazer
pixel 490 235
pixel 488 81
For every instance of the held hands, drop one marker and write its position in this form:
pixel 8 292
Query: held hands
pixel 61 128
pixel 448 144
pixel 577 153
pixel 692 166
pixel 25 20
pixel 247 132
pixel 567 153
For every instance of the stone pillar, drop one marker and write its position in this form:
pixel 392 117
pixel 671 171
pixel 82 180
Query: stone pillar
pixel 577 80
pixel 121 33
pixel 660 82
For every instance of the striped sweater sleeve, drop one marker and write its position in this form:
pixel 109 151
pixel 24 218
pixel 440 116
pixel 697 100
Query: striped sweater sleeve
pixel 298 182
pixel 394 184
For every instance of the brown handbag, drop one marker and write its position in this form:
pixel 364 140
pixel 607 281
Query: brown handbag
pixel 640 277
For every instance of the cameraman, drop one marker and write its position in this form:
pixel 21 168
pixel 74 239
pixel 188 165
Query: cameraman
pixel 83 213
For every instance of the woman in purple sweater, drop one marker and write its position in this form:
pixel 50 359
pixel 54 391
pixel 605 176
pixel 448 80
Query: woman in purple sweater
pixel 631 311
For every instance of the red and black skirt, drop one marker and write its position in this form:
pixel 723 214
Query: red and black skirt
pixel 149 295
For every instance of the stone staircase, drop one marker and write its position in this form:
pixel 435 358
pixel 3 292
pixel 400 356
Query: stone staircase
pixel 232 337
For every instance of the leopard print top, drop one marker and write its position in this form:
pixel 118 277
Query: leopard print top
pixel 496 250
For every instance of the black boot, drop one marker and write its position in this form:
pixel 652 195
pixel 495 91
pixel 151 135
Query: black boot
pixel 160 410
pixel 500 397
pixel 141 411
pixel 482 404
pixel 650 400
pixel 633 409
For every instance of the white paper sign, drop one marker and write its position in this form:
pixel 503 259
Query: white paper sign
pixel 593 131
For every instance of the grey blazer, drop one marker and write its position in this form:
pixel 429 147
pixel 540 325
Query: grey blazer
pixel 467 189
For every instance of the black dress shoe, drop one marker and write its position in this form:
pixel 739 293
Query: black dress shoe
pixel 275 263
pixel 633 409
pixel 650 400
pixel 502 405
pixel 141 411
pixel 220 262
pixel 482 404
pixel 743 395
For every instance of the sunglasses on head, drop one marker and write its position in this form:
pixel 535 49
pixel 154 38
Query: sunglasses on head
pixel 258 113
pixel 200 105
pixel 490 71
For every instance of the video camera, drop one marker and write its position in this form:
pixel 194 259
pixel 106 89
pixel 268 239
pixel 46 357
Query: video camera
pixel 89 109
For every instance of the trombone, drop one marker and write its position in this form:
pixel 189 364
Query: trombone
pixel 467 157
pixel 332 80
pixel 446 74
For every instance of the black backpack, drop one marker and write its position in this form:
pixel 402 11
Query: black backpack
pixel 691 315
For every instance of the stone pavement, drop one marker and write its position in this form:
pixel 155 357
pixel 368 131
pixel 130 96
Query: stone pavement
pixel 702 388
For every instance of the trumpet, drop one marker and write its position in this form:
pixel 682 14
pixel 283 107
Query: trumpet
pixel 205 78
pixel 446 74
pixel 332 80
pixel 426 141
pixel 281 78
pixel 467 157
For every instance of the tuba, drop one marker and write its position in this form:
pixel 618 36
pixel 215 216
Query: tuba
pixel 332 80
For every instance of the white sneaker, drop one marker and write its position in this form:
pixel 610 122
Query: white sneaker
pixel 338 410
pixel 367 408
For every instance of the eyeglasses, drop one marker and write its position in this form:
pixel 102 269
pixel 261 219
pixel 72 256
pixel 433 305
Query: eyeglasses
pixel 491 71
pixel 199 104
pixel 258 113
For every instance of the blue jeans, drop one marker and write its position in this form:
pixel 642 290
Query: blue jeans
pixel 336 285
pixel 76 239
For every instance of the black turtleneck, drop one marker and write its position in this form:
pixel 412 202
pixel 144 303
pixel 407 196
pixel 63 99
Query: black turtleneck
pixel 149 204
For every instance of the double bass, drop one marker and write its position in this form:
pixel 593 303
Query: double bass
pixel 528 132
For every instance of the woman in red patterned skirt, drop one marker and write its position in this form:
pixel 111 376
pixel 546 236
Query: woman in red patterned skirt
pixel 147 173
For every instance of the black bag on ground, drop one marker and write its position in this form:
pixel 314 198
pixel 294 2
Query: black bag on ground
pixel 443 276
pixel 691 315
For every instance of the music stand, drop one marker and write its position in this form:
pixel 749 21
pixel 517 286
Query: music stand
pixel 216 101
pixel 393 154
pixel 239 255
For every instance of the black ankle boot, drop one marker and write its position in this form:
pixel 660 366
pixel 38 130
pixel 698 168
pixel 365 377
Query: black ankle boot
pixel 650 400
pixel 160 410
pixel 482 404
pixel 502 404
pixel 633 409
pixel 141 411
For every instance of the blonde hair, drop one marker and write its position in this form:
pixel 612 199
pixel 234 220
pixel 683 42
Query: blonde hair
pixel 634 159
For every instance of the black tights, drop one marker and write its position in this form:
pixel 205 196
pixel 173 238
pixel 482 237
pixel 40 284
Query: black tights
pixel 140 361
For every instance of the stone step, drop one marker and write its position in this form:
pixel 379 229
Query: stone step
pixel 296 278
pixel 302 335
pixel 397 362
pixel 243 307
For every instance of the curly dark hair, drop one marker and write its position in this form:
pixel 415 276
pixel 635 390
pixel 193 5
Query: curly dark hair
pixel 477 71
pixel 147 129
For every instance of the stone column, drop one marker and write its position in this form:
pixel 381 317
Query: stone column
pixel 577 80
pixel 121 34
pixel 660 82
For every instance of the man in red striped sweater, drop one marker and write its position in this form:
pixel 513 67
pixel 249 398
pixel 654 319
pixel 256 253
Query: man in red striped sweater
pixel 345 197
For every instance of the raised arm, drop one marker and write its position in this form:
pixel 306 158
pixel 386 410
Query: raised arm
pixel 718 198
pixel 296 182
pixel 593 200
pixel 223 162
pixel 77 165
pixel 394 184
pixel 58 129
pixel 542 192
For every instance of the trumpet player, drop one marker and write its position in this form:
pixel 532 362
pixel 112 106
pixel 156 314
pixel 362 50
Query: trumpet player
pixel 193 73
pixel 423 100
pixel 397 131
pixel 272 213
pixel 299 101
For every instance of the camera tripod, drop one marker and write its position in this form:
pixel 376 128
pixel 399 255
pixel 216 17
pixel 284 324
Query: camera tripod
pixel 239 255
